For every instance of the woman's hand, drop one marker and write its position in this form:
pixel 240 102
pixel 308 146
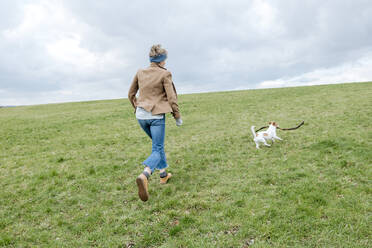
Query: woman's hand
pixel 179 122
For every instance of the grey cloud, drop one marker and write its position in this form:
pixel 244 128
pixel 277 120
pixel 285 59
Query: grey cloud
pixel 213 45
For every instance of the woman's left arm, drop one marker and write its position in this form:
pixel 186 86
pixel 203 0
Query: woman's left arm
pixel 171 95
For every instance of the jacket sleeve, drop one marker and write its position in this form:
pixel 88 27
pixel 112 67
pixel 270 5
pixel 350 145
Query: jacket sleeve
pixel 133 91
pixel 170 90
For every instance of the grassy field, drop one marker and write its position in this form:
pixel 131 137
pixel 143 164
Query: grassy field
pixel 67 173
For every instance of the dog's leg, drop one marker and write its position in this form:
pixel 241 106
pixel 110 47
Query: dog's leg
pixel 265 143
pixel 276 137
pixel 257 143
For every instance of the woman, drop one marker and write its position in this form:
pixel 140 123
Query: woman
pixel 157 96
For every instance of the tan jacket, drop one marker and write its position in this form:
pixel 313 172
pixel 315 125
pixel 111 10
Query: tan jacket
pixel 157 93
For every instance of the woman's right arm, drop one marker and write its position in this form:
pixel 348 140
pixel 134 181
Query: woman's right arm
pixel 133 91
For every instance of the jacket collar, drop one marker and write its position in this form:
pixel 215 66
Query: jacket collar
pixel 153 64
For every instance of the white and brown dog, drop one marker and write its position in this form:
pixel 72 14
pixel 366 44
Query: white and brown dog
pixel 269 134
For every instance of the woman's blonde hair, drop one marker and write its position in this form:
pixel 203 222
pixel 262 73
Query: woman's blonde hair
pixel 157 50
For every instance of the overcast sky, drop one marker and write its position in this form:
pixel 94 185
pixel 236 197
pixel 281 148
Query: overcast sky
pixel 76 50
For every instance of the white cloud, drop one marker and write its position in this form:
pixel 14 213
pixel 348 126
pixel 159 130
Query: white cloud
pixel 53 54
pixel 54 28
pixel 263 18
pixel 68 50
pixel 358 71
pixel 33 15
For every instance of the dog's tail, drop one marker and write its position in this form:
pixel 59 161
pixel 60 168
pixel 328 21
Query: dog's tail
pixel 253 132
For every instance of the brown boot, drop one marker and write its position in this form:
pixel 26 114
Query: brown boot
pixel 164 180
pixel 143 191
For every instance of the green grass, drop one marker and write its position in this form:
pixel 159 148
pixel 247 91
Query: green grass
pixel 67 173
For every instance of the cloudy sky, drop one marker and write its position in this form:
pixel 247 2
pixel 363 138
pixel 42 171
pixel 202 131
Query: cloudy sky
pixel 76 50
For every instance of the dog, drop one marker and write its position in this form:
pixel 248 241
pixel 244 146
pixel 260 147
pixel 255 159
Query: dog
pixel 269 134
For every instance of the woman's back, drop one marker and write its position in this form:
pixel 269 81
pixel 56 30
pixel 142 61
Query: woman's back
pixel 157 93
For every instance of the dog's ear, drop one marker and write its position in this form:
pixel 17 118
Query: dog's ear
pixel 274 123
pixel 270 123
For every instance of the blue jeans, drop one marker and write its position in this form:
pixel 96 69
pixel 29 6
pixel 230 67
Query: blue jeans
pixel 155 129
